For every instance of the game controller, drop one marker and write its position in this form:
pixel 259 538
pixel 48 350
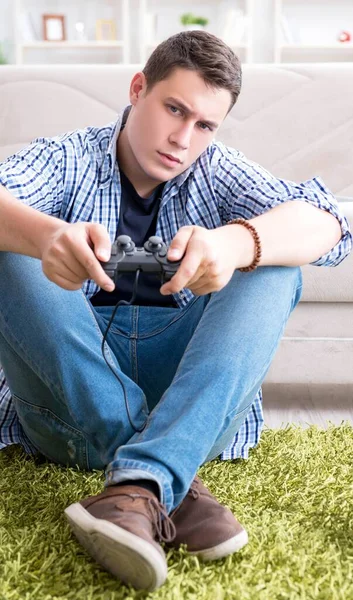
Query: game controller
pixel 152 258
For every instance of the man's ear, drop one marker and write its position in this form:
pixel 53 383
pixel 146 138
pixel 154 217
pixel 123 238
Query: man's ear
pixel 137 87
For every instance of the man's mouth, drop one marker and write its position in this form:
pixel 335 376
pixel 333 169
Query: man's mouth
pixel 171 157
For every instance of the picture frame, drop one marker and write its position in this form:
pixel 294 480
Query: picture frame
pixel 105 30
pixel 54 28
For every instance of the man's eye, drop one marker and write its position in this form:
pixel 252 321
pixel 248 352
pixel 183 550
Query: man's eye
pixel 205 127
pixel 173 109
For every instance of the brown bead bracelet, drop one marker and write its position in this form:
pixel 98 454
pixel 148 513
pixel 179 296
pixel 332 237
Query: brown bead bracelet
pixel 257 241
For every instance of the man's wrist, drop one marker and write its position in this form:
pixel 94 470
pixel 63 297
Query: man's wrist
pixel 242 245
pixel 46 227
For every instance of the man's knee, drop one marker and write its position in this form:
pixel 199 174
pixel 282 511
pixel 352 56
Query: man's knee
pixel 17 272
pixel 272 280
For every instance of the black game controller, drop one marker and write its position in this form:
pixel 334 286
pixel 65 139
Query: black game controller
pixel 152 258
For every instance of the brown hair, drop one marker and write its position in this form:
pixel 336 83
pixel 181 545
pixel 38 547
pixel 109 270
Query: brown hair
pixel 198 51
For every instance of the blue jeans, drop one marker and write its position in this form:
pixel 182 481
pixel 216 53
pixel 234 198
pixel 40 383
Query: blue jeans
pixel 190 375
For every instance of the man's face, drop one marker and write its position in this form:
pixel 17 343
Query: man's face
pixel 170 126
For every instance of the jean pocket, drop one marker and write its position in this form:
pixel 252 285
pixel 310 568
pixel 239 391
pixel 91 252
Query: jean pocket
pixel 154 322
pixel 53 437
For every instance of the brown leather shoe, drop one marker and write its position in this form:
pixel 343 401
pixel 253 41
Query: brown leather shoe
pixel 208 529
pixel 119 529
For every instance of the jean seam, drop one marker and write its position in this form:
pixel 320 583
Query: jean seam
pixel 143 336
pixel 86 455
pixel 298 290
pixel 133 343
pixel 241 412
pixel 134 363
pixel 114 330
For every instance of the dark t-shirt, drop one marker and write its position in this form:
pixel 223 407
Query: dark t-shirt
pixel 138 219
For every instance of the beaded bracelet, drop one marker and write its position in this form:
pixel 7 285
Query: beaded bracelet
pixel 257 241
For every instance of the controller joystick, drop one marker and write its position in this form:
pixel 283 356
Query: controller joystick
pixel 155 244
pixel 125 243
pixel 152 258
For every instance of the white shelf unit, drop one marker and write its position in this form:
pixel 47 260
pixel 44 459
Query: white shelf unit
pixel 308 30
pixel 313 27
pixel 88 44
pixel 29 13
pixel 231 20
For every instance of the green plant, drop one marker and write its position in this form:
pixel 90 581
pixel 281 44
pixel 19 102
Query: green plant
pixel 190 19
pixel 3 60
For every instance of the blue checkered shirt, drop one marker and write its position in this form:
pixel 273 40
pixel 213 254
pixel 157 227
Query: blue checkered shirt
pixel 74 177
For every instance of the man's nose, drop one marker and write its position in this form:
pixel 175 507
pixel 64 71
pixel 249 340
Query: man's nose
pixel 182 136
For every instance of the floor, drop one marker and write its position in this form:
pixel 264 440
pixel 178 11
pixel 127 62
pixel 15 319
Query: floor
pixel 307 405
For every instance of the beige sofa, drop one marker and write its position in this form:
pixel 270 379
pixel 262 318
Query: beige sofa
pixel 297 121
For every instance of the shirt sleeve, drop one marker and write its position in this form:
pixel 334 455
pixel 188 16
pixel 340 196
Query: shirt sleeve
pixel 34 176
pixel 248 190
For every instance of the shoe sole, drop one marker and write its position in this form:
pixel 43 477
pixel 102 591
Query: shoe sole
pixel 229 547
pixel 122 553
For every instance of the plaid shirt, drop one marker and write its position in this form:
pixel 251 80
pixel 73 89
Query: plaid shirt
pixel 75 177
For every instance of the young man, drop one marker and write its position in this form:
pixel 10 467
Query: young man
pixel 186 361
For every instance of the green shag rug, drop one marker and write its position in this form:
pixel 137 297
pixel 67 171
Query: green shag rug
pixel 294 496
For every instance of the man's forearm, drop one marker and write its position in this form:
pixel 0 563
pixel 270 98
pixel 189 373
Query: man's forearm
pixel 22 228
pixel 292 234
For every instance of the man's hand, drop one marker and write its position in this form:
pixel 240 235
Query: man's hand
pixel 72 253
pixel 209 259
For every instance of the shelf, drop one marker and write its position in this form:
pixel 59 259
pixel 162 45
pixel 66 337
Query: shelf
pixel 341 46
pixel 159 19
pixel 68 44
pixel 137 35
pixel 31 47
pixel 240 45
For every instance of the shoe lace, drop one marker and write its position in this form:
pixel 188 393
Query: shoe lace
pixel 163 524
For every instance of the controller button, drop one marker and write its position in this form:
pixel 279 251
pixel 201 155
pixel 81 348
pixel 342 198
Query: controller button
pixel 125 243
pixel 154 244
pixel 155 240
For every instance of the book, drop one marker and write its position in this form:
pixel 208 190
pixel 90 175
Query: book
pixel 234 27
pixel 26 27
pixel 287 34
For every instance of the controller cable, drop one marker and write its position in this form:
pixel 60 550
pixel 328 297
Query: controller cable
pixel 120 303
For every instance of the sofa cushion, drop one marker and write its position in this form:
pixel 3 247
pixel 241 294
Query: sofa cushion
pixel 295 120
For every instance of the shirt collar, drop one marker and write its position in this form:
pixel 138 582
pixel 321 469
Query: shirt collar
pixel 108 167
